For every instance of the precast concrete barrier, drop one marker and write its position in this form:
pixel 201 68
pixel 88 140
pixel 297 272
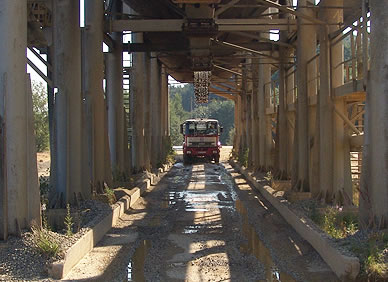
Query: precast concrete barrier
pixel 86 243
pixel 345 267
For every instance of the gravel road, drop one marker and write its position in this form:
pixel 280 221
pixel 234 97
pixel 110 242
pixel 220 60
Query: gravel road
pixel 202 222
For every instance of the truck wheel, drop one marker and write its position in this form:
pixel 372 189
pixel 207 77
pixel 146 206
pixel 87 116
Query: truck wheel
pixel 217 159
pixel 186 159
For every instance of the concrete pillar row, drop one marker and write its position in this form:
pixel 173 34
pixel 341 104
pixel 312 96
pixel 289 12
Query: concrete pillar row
pixel 93 75
pixel 374 186
pixel 19 189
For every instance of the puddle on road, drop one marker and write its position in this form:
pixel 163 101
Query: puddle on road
pixel 137 262
pixel 255 247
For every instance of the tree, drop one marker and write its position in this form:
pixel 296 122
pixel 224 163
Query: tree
pixel 177 116
pixel 40 108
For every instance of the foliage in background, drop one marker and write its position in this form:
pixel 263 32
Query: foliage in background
pixel 40 108
pixel 182 107
pixel 177 116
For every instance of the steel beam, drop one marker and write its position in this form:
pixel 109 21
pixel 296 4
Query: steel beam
pixel 175 25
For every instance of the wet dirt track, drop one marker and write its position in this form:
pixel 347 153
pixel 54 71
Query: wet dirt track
pixel 195 226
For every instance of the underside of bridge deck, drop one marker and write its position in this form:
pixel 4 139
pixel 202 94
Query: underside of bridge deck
pixel 307 108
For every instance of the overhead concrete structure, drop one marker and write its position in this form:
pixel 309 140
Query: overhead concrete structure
pixel 302 106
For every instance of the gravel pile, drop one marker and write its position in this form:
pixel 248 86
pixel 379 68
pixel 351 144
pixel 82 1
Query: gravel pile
pixel 21 260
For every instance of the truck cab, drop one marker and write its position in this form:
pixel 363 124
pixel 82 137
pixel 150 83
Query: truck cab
pixel 201 139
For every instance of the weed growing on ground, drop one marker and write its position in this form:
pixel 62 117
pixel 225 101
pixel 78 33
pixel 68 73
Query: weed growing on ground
pixel 110 195
pixel 243 157
pixel 69 221
pixel 334 222
pixel 44 242
pixel 372 254
pixel 119 176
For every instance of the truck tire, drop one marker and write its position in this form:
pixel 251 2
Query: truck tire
pixel 186 159
pixel 217 159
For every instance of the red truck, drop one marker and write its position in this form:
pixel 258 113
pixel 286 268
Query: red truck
pixel 201 139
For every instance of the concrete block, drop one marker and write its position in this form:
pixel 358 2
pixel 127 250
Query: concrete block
pixel 345 267
pixel 293 197
pixel 85 244
pixel 281 185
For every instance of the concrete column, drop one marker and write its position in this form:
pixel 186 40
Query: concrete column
pixel 155 80
pixel 137 106
pixel 248 116
pixel 290 119
pixel 68 102
pixel 342 181
pixel 243 113
pixel 282 137
pixel 305 51
pixel 147 112
pixel 19 190
pixel 334 156
pixel 255 116
pixel 114 93
pixel 374 187
pixel 164 111
pixel 93 86
pixel 261 113
pixel 267 128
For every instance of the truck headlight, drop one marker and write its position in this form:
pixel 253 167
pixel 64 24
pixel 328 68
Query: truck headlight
pixel 215 152
pixel 188 152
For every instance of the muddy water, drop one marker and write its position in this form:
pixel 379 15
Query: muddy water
pixel 136 264
pixel 256 247
pixel 210 237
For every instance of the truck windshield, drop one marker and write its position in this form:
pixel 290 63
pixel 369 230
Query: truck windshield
pixel 201 128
